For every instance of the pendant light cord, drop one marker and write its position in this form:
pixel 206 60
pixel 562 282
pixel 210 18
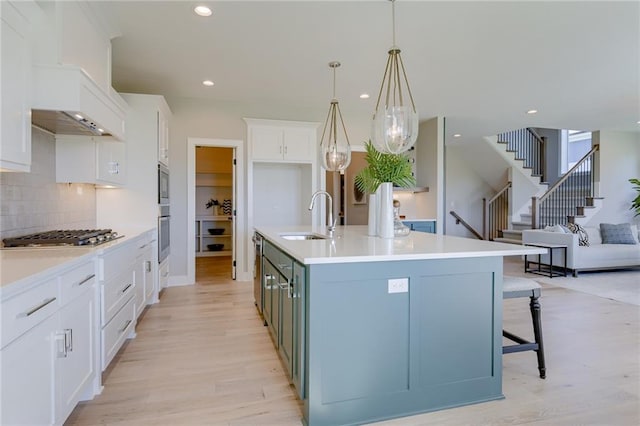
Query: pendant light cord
pixel 393 22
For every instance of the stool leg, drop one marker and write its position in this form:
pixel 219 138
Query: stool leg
pixel 534 305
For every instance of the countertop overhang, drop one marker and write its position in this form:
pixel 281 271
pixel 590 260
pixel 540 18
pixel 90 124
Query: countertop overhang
pixel 351 244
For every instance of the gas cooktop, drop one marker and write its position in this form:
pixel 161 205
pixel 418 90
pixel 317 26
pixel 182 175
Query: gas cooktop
pixel 64 237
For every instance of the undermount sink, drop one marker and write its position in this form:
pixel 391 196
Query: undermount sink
pixel 303 236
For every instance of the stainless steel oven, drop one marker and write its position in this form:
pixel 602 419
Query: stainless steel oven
pixel 163 184
pixel 163 232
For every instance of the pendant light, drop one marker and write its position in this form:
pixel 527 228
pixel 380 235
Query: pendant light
pixel 395 119
pixel 335 149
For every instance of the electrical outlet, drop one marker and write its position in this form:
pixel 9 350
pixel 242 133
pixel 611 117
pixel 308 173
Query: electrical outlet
pixel 398 285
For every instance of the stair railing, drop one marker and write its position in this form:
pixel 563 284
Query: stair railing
pixel 470 228
pixel 495 214
pixel 568 196
pixel 528 147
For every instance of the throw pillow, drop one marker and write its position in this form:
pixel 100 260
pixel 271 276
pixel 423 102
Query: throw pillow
pixel 583 237
pixel 616 234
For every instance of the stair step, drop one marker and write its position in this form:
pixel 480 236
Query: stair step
pixel 508 240
pixel 519 226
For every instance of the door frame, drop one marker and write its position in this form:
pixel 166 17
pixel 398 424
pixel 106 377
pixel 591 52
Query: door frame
pixel 238 204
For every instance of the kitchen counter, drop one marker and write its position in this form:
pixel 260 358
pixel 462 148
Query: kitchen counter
pixel 351 244
pixel 385 328
pixel 27 264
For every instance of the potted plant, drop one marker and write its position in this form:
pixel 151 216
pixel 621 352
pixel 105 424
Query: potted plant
pixel 394 168
pixel 383 171
pixel 635 204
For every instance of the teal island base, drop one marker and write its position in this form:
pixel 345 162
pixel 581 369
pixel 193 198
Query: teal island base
pixel 389 339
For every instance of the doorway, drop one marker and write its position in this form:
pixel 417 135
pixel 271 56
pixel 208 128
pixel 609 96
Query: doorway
pixel 214 200
pixel 214 197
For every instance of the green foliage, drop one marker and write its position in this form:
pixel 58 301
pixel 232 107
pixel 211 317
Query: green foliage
pixel 635 204
pixel 394 168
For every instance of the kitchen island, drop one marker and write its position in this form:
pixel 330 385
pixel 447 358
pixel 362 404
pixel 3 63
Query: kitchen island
pixel 373 328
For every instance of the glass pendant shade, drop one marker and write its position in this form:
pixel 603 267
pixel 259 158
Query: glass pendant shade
pixel 334 145
pixel 395 120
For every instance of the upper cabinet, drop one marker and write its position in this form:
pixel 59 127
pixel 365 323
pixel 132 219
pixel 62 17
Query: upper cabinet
pixel 98 160
pixel 282 141
pixel 15 85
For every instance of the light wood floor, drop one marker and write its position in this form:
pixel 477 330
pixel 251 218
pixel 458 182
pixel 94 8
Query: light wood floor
pixel 203 357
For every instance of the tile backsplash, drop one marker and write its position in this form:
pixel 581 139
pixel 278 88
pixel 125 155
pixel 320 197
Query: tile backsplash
pixel 34 202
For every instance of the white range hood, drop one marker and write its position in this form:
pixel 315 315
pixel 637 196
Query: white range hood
pixel 67 101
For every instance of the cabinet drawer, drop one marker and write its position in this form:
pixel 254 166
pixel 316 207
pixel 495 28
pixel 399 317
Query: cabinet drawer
pixel 116 293
pixel 115 260
pixel 27 309
pixel 115 333
pixel 280 260
pixel 73 283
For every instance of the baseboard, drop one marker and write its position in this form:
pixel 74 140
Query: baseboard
pixel 179 281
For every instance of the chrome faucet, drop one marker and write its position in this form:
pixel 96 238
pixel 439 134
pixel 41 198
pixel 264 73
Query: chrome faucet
pixel 331 222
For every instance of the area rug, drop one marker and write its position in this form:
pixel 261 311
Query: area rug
pixel 621 285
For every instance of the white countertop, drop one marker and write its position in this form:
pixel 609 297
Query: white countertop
pixel 29 263
pixel 351 244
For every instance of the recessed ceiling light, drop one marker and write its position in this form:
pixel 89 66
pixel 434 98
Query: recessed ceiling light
pixel 101 130
pixel 79 117
pixel 457 135
pixel 364 96
pixel 208 83
pixel 202 11
pixel 532 111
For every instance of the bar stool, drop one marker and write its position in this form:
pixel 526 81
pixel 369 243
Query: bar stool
pixel 525 287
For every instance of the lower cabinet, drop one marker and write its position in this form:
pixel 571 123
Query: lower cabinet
pixel 27 377
pixel 117 268
pixel 421 225
pixel 75 352
pixel 283 310
pixel 49 368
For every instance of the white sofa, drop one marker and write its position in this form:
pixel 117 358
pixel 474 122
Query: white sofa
pixel 595 256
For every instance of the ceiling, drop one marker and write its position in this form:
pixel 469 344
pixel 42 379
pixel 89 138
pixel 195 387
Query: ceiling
pixel 480 64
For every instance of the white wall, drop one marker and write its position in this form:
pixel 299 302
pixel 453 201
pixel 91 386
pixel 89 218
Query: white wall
pixel 619 162
pixel 201 118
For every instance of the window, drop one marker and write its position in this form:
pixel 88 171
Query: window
pixel 575 145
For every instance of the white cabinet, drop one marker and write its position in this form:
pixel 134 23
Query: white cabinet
pixel 288 141
pixel 144 273
pixel 27 377
pixel 116 271
pixel 99 160
pixel 163 275
pixel 163 137
pixel 75 345
pixel 51 364
pixel 15 86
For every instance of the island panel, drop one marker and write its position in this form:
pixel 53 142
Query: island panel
pixel 373 355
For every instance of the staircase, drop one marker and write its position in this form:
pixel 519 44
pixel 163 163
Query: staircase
pixel 570 200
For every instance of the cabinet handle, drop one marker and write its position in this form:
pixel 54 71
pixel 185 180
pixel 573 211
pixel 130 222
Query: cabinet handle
pixel 285 149
pixel 126 324
pixel 68 342
pixel 284 266
pixel 280 149
pixel 36 309
pixel 88 277
pixel 126 288
pixel 61 337
pixel 148 265
pixel 141 247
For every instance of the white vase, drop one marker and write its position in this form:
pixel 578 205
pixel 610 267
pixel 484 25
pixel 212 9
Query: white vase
pixel 385 212
pixel 373 215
